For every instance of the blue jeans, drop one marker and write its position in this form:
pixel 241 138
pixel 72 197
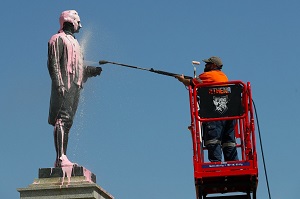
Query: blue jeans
pixel 219 136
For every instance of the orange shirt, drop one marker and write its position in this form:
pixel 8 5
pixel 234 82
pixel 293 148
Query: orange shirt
pixel 211 77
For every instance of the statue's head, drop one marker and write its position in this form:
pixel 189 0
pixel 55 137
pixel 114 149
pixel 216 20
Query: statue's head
pixel 72 17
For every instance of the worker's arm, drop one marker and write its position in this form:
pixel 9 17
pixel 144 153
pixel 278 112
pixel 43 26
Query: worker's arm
pixel 188 82
pixel 185 81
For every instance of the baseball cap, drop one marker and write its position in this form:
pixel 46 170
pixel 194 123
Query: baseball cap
pixel 215 60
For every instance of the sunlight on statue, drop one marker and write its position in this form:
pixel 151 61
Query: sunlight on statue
pixel 68 73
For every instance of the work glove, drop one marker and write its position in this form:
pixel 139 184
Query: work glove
pixel 93 71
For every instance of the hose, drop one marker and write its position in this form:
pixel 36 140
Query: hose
pixel 262 151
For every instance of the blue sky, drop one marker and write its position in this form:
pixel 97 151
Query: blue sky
pixel 131 125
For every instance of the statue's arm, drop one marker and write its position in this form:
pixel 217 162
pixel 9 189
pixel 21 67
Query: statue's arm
pixel 55 54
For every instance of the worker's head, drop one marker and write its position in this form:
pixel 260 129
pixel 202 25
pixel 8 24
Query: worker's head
pixel 70 17
pixel 212 63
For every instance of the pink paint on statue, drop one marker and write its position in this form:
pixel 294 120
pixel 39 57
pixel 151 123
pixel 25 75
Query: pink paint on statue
pixel 67 168
pixel 87 174
pixel 74 58
pixel 70 16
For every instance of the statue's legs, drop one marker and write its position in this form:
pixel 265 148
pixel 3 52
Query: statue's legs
pixel 61 116
pixel 61 137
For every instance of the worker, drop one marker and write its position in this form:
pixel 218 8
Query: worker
pixel 67 72
pixel 218 135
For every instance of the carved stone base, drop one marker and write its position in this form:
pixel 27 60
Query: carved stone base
pixel 64 183
pixel 71 171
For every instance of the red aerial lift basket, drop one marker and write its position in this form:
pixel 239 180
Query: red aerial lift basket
pixel 232 179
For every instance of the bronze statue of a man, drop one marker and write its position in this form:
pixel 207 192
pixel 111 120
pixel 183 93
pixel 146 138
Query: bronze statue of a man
pixel 68 73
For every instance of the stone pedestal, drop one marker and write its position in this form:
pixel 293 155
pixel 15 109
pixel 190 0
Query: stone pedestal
pixel 64 183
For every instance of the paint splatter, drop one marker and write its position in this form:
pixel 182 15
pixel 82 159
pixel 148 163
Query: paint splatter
pixel 67 168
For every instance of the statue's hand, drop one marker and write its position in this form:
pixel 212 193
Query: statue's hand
pixel 93 71
pixel 62 90
pixel 98 71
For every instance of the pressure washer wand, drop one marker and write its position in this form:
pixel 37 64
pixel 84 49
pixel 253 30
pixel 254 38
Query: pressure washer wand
pixel 101 62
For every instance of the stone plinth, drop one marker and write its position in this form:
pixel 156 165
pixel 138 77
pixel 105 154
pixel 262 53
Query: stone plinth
pixel 64 183
pixel 71 171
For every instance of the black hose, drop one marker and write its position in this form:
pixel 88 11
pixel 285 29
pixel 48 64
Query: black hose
pixel 101 62
pixel 262 151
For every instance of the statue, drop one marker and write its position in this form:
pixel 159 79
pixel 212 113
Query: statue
pixel 68 73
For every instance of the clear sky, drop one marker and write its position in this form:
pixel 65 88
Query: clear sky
pixel 131 126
